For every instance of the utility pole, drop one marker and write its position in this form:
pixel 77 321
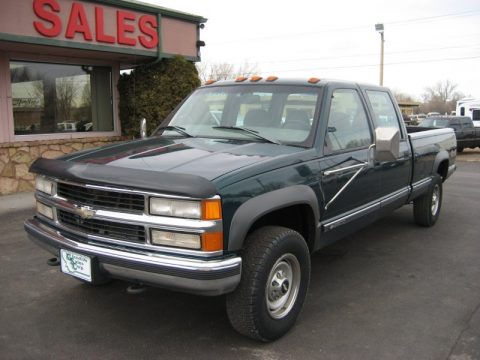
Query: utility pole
pixel 380 28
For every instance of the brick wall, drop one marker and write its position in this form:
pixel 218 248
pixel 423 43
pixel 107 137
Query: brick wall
pixel 16 158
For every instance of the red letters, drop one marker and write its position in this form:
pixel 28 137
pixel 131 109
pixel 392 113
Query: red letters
pixel 100 28
pixel 78 23
pixel 123 27
pixel 48 16
pixel 148 26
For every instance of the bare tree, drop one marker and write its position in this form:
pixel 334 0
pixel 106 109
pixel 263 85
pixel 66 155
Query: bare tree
pixel 225 71
pixel 66 92
pixel 441 97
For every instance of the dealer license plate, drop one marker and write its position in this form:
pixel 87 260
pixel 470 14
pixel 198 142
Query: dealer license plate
pixel 77 265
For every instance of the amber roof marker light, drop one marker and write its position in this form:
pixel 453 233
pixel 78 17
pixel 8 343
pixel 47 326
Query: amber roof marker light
pixel 209 82
pixel 255 78
pixel 313 80
pixel 240 78
pixel 271 78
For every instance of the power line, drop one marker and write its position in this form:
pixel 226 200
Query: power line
pixel 470 46
pixel 405 21
pixel 376 65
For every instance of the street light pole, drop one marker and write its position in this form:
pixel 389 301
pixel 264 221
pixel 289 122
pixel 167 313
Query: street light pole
pixel 380 28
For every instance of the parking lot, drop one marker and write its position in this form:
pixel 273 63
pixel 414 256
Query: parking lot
pixel 391 291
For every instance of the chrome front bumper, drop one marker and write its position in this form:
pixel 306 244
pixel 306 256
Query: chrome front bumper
pixel 198 276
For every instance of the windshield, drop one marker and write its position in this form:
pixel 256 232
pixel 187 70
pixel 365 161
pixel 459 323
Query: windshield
pixel 432 122
pixel 270 113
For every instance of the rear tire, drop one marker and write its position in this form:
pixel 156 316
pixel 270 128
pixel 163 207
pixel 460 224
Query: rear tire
pixel 426 208
pixel 275 278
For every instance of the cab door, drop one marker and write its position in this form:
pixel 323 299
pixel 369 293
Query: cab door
pixel 348 182
pixel 396 175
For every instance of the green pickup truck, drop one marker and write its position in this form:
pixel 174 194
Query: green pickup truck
pixel 235 190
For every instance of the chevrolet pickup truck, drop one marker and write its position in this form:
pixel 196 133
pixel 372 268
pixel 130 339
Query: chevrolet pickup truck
pixel 235 190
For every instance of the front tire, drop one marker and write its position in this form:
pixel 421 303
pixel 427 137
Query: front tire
pixel 426 208
pixel 275 278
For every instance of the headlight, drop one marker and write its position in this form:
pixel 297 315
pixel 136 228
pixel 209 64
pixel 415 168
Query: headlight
pixel 176 208
pixel 210 209
pixel 44 185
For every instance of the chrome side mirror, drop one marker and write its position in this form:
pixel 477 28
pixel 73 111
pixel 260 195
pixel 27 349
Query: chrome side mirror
pixel 387 144
pixel 143 128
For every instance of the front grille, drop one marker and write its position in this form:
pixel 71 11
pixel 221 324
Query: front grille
pixel 102 198
pixel 108 229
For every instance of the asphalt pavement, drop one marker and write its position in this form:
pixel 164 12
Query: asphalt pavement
pixel 391 291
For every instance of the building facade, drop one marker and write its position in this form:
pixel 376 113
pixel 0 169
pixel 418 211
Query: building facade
pixel 60 62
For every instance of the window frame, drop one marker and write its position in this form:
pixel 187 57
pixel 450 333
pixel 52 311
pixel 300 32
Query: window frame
pixel 7 135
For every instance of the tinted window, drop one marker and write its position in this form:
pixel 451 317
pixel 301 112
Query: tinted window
pixel 347 122
pixel 467 123
pixel 384 113
pixel 476 115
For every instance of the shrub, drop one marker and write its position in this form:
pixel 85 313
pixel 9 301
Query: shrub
pixel 153 91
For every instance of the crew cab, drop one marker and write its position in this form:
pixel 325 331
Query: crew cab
pixel 467 135
pixel 235 190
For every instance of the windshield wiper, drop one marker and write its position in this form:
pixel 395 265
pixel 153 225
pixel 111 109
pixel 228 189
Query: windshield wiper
pixel 178 129
pixel 248 131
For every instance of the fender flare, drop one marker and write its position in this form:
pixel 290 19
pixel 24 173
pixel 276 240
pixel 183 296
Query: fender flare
pixel 253 209
pixel 439 158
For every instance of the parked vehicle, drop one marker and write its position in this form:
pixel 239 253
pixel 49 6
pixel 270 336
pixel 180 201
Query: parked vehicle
pixel 234 203
pixel 467 135
pixel 469 107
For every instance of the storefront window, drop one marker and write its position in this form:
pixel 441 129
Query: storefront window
pixel 54 98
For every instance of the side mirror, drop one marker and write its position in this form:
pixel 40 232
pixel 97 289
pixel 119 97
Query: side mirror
pixel 387 144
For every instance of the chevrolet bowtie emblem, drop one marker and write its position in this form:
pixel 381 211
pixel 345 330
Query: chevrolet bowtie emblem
pixel 86 212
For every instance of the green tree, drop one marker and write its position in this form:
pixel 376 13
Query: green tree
pixel 153 91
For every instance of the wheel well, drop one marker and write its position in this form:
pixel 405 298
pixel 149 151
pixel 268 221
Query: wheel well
pixel 443 169
pixel 296 217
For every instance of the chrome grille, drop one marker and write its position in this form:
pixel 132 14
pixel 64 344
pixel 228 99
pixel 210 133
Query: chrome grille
pixel 108 229
pixel 102 198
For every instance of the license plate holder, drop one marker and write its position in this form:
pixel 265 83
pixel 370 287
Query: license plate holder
pixel 75 264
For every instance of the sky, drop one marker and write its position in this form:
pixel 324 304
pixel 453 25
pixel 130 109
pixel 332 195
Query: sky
pixel 425 41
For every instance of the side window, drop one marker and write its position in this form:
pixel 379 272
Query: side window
pixel 384 113
pixel 347 122
pixel 455 125
pixel 467 124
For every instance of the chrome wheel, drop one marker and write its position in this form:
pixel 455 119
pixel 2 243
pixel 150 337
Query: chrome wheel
pixel 435 200
pixel 282 286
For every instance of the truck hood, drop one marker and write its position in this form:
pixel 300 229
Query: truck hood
pixel 208 158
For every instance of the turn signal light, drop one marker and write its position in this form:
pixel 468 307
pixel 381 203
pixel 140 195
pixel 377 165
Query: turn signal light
pixel 211 209
pixel 212 241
